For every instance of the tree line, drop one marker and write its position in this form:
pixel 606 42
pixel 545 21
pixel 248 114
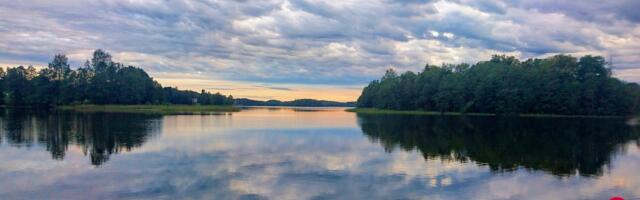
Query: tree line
pixel 99 81
pixel 560 84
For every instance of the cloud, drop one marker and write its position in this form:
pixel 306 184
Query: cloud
pixel 274 87
pixel 344 43
pixel 586 10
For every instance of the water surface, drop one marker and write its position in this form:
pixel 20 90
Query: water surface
pixel 286 153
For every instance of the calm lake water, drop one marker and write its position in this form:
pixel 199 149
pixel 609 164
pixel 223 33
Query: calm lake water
pixel 285 153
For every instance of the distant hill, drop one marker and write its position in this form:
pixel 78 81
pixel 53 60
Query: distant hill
pixel 297 103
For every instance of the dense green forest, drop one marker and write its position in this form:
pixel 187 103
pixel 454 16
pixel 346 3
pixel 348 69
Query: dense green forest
pixel 99 81
pixel 297 102
pixel 559 84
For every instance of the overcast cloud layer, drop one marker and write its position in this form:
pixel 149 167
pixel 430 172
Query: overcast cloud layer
pixel 284 44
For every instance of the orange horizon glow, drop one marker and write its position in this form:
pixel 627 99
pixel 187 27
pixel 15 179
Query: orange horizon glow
pixel 282 92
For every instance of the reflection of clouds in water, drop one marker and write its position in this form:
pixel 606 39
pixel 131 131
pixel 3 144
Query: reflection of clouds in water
pixel 29 171
pixel 229 157
pixel 335 164
pixel 277 179
pixel 257 118
pixel 363 171
pixel 622 179
pixel 297 164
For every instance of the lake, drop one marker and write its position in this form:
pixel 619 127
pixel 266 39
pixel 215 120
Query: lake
pixel 314 153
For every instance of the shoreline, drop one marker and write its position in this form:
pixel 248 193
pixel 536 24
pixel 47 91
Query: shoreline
pixel 420 112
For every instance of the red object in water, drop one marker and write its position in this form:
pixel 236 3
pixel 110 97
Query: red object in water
pixel 616 198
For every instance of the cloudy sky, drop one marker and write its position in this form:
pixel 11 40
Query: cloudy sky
pixel 287 49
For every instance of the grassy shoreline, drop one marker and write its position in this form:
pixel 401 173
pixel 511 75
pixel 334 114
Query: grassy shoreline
pixel 152 109
pixel 419 112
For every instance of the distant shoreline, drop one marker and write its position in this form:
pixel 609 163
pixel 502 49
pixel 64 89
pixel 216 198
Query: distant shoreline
pixel 243 106
pixel 420 112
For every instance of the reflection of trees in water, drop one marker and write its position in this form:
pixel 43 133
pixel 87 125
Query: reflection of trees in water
pixel 98 134
pixel 561 146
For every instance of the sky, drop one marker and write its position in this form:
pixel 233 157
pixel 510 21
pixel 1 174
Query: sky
pixel 290 49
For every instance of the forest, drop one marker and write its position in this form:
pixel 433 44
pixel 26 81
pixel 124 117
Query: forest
pixel 560 84
pixel 99 81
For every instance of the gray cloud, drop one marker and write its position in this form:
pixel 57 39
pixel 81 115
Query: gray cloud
pixel 586 10
pixel 313 42
pixel 274 87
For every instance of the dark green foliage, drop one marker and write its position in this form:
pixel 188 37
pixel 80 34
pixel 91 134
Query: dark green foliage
pixel 175 96
pixel 207 98
pixel 100 81
pixel 140 87
pixel 556 85
pixel 2 86
pixel 18 86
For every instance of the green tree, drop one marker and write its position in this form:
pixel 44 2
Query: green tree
pixel 559 84
pixel 3 76
pixel 18 86
pixel 100 81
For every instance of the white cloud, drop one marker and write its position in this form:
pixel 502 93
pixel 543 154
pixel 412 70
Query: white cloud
pixel 285 41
